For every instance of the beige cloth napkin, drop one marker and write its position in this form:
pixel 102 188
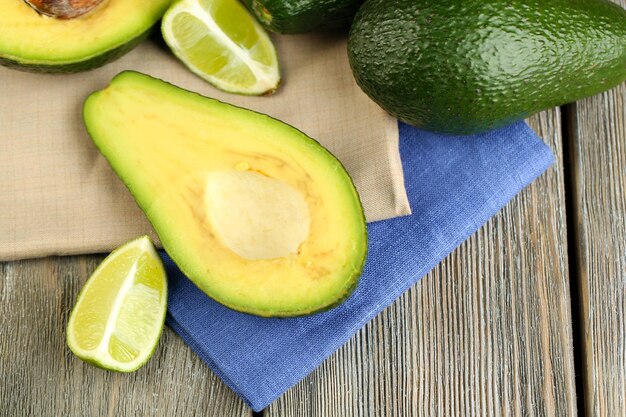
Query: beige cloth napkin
pixel 59 196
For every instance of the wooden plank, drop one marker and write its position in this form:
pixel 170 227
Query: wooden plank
pixel 39 376
pixel 487 333
pixel 598 164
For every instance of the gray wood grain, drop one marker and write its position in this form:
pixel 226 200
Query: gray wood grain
pixel 598 164
pixel 40 377
pixel 487 333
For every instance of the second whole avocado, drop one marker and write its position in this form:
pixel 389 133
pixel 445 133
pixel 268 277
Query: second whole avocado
pixel 463 67
pixel 298 16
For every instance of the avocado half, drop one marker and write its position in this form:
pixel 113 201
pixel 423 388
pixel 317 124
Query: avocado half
pixel 33 42
pixel 258 215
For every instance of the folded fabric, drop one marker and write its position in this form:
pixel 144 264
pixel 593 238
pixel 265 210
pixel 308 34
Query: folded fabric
pixel 454 184
pixel 61 197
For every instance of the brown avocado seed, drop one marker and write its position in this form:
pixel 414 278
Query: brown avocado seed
pixel 63 9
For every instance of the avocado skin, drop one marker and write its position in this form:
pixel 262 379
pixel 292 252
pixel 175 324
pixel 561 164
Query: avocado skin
pixel 463 67
pixel 298 16
pixel 91 63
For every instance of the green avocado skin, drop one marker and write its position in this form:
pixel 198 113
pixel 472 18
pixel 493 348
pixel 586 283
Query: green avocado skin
pixel 464 67
pixel 88 64
pixel 298 16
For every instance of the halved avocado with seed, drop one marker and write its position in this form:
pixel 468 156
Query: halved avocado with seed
pixel 72 35
pixel 258 215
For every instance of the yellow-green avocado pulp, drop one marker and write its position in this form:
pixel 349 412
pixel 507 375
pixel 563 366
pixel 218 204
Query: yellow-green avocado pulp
pixel 258 215
pixel 34 42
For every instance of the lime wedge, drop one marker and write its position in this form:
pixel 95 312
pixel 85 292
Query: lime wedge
pixel 118 317
pixel 220 41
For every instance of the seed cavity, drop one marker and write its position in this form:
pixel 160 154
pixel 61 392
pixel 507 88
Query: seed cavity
pixel 63 9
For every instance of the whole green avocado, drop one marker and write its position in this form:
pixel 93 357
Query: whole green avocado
pixel 298 16
pixel 466 66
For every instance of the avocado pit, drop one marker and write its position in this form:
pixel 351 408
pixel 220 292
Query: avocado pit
pixel 63 9
pixel 255 216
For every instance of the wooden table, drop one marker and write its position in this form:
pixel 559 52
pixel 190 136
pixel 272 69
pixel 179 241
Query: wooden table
pixel 526 318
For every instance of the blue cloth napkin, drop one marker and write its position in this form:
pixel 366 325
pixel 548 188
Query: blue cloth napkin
pixel 454 184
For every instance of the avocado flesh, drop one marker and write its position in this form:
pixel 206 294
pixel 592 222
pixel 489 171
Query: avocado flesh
pixel 464 67
pixel 33 42
pixel 259 216
pixel 288 16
